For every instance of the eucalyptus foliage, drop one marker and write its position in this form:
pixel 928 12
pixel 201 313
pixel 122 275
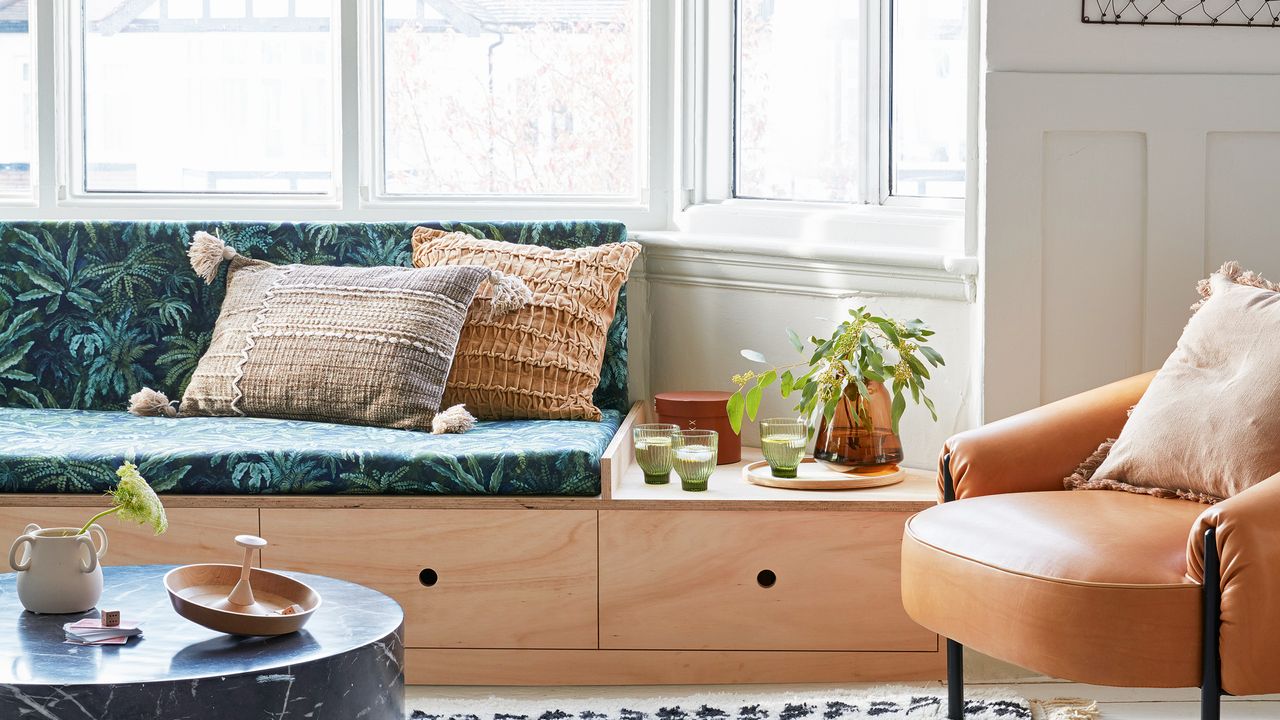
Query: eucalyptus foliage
pixel 865 348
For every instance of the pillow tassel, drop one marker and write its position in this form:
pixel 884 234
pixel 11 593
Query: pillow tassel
pixel 207 253
pixel 1232 271
pixel 454 420
pixel 510 293
pixel 151 403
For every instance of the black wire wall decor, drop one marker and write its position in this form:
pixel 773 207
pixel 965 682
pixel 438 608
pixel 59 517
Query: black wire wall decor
pixel 1229 13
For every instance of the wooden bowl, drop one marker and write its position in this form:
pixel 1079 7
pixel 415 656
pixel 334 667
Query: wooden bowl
pixel 199 594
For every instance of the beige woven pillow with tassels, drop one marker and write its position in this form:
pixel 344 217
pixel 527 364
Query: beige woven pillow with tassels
pixel 358 345
pixel 542 362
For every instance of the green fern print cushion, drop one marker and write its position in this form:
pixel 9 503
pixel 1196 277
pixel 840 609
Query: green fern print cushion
pixel 92 311
pixel 77 451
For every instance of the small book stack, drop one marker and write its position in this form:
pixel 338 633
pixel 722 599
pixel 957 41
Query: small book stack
pixel 92 631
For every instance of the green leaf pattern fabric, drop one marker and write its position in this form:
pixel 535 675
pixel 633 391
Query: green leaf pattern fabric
pixel 79 450
pixel 92 311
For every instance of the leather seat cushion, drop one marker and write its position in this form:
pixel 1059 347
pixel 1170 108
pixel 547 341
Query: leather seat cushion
pixel 1089 586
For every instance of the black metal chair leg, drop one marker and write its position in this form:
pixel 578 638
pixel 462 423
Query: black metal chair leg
pixel 1211 678
pixel 955 651
pixel 955 680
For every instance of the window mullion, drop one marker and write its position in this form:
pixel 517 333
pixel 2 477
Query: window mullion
pixel 47 16
pixel 347 90
pixel 717 101
pixel 879 19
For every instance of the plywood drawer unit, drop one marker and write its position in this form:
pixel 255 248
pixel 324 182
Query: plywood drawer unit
pixel 195 534
pixel 465 578
pixel 754 580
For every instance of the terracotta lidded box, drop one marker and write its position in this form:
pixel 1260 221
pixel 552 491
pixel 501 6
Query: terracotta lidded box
pixel 701 410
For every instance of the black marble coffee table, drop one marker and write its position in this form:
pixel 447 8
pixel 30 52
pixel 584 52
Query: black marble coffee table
pixel 346 663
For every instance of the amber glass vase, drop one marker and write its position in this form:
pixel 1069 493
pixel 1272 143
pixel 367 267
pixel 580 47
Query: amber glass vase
pixel 846 444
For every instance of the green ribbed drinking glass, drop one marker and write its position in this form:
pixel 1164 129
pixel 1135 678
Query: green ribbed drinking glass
pixel 652 442
pixel 782 442
pixel 695 457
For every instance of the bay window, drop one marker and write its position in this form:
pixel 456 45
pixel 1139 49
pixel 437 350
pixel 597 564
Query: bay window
pixel 635 110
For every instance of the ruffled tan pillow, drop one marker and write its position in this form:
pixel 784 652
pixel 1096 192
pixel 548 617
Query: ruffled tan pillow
pixel 544 361
pixel 1207 427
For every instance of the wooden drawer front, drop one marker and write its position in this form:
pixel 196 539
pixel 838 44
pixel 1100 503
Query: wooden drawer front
pixel 692 581
pixel 500 578
pixel 195 534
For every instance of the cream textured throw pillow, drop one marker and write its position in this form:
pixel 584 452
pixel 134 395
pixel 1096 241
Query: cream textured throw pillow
pixel 543 361
pixel 1207 427
pixel 360 345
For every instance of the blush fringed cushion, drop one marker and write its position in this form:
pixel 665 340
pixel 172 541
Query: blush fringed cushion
pixel 360 345
pixel 1207 427
pixel 541 362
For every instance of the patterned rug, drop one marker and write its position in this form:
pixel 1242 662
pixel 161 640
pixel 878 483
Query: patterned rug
pixel 880 703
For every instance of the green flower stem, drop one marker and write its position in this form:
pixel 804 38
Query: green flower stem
pixel 94 519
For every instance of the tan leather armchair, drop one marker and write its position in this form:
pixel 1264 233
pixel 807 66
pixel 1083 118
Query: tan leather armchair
pixel 1100 587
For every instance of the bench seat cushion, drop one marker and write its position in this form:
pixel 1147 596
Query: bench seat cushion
pixel 48 451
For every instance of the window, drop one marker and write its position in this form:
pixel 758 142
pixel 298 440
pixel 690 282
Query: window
pixel 930 70
pixel 511 98
pixel 798 124
pixel 17 87
pixel 740 115
pixel 850 102
pixel 208 96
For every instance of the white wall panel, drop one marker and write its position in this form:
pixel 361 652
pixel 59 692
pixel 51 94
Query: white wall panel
pixel 1094 234
pixel 1108 197
pixel 1242 200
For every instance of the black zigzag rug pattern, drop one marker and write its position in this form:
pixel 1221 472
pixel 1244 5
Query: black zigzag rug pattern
pixel 909 706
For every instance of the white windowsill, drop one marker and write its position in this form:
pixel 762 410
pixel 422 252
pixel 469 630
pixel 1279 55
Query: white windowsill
pixel 815 250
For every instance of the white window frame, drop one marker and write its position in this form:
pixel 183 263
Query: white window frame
pixel 58 169
pixel 707 203
pixel 687 98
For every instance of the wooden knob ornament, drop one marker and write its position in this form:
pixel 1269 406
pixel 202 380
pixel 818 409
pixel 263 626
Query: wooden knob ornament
pixel 242 593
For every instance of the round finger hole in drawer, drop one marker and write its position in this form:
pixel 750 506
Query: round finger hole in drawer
pixel 428 577
pixel 766 578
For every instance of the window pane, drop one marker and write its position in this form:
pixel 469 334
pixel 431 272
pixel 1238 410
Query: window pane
pixel 930 67
pixel 798 127
pixel 202 97
pixel 512 97
pixel 17 84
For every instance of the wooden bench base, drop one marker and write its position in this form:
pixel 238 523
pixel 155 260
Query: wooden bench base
pixel 641 585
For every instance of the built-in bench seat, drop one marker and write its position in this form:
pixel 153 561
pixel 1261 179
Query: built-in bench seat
pixel 51 451
pixel 92 311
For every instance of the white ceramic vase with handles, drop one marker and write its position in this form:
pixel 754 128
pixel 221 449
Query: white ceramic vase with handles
pixel 58 568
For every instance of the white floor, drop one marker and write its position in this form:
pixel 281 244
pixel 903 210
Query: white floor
pixel 1116 703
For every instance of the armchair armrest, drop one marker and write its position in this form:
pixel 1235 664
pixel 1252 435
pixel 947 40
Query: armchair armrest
pixel 1247 534
pixel 1037 449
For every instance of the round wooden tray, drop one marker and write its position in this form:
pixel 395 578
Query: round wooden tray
pixel 199 592
pixel 813 475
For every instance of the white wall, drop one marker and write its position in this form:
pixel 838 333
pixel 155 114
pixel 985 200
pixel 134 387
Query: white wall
pixel 1121 165
pixel 691 312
